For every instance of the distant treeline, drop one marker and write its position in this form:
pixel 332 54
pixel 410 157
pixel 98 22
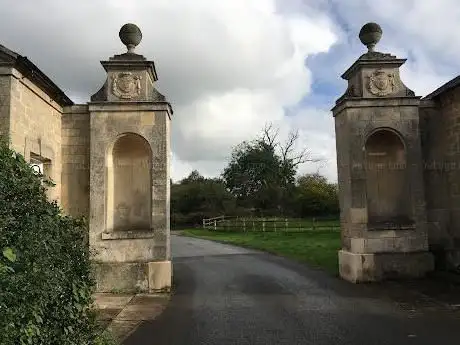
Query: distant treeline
pixel 259 181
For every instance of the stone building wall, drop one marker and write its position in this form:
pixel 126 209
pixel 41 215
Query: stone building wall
pixel 75 160
pixel 432 126
pixel 450 108
pixel 5 91
pixel 35 127
pixel 440 134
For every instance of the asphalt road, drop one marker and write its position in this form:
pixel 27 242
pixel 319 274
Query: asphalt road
pixel 228 295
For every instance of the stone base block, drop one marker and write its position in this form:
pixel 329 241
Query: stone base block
pixel 360 268
pixel 122 277
pixel 160 276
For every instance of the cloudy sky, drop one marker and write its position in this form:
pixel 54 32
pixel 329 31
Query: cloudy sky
pixel 230 66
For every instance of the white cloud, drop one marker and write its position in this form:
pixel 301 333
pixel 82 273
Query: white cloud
pixel 238 112
pixel 230 66
pixel 265 74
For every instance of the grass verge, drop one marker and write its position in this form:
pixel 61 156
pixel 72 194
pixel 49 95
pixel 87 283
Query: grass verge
pixel 317 248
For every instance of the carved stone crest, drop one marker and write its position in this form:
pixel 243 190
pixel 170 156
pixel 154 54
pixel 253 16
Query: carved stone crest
pixel 381 83
pixel 125 85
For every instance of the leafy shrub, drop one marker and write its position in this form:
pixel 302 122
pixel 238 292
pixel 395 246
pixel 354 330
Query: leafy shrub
pixel 45 282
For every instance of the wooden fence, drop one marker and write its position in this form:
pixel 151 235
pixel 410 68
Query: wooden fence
pixel 226 223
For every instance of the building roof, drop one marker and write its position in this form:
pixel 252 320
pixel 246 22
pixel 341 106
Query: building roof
pixel 444 88
pixel 32 72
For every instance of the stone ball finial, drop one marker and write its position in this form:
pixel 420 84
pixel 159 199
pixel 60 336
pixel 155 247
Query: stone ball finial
pixel 131 36
pixel 370 35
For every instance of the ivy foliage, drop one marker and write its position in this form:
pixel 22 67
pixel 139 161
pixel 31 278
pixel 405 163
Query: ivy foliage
pixel 45 281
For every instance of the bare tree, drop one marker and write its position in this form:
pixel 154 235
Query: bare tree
pixel 269 135
pixel 288 148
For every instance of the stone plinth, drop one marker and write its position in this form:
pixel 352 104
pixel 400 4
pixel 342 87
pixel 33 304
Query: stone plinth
pixel 130 277
pixel 361 268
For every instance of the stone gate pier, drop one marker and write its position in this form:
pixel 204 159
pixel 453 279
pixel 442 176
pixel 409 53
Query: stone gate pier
pixel 129 174
pixel 109 159
pixel 380 171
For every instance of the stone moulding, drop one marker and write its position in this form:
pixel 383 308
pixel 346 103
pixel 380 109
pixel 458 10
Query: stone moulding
pixel 363 62
pixel 129 234
pixel 396 227
pixel 369 102
pixel 129 106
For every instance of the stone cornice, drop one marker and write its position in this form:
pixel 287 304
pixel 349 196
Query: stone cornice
pixel 131 65
pixel 375 102
pixel 366 62
pixel 130 106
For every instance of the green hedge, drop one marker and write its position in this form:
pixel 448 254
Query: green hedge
pixel 45 282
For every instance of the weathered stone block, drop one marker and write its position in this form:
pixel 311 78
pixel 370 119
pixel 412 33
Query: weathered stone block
pixel 382 234
pixel 405 265
pixel 411 244
pixel 379 245
pixel 160 275
pixel 121 276
pixel 359 268
pixel 357 245
pixel 358 215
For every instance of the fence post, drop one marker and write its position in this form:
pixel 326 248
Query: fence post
pixel 314 225
pixel 253 226
pixel 204 223
pixel 263 224
pixel 215 225
pixel 274 224
pixel 286 224
pixel 244 225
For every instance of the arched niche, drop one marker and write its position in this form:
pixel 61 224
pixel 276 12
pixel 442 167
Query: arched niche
pixel 387 184
pixel 129 184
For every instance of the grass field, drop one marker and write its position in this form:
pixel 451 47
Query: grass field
pixel 318 248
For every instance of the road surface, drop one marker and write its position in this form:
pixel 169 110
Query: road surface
pixel 229 295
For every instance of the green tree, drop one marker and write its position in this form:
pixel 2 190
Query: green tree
pixel 253 170
pixel 316 196
pixel 194 177
pixel 196 197
pixel 45 282
pixel 261 173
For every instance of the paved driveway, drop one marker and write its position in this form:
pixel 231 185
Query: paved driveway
pixel 228 295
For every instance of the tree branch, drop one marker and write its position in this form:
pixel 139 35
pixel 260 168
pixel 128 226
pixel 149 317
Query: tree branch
pixel 269 135
pixel 287 151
